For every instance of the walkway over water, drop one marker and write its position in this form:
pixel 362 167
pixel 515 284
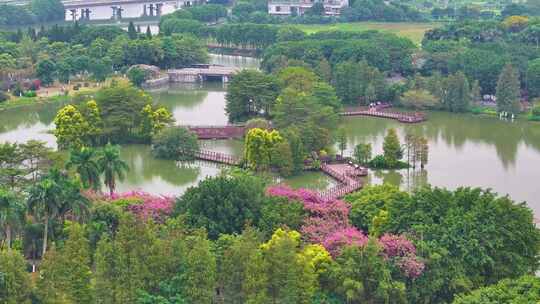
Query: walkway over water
pixel 347 177
pixel 403 117
pixel 217 157
pixel 218 132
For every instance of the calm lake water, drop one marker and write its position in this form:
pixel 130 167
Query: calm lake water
pixel 464 149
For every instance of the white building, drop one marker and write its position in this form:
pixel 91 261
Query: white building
pixel 118 9
pixel 299 7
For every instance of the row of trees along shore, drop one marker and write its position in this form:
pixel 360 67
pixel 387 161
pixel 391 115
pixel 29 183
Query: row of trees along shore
pixel 459 63
pixel 234 238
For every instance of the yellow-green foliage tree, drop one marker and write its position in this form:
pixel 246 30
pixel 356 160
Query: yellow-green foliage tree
pixel 71 128
pixel 14 280
pixel 258 146
pixel 292 270
pixel 153 121
pixel 92 115
pixel 516 23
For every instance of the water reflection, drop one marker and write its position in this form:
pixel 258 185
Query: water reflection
pixel 311 180
pixel 33 122
pixel 236 61
pixel 464 150
pixel 194 104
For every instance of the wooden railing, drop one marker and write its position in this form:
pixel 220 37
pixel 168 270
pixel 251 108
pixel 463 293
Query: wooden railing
pixel 217 157
pixel 341 177
pixel 399 116
pixel 340 191
pixel 218 132
pixel 346 184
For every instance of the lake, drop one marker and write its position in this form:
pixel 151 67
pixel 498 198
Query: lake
pixel 464 149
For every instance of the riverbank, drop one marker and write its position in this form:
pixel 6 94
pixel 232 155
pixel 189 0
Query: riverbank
pixel 21 102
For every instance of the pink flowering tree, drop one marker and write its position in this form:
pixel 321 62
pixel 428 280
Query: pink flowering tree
pixel 402 252
pixel 328 224
pixel 144 205
pixel 325 217
pixel 349 236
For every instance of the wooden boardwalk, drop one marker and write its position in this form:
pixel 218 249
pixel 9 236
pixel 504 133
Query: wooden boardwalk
pixel 218 132
pixel 399 116
pixel 218 157
pixel 347 177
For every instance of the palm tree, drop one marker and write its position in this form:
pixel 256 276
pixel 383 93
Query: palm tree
pixel 84 161
pixel 45 201
pixel 55 195
pixel 11 213
pixel 73 202
pixel 112 166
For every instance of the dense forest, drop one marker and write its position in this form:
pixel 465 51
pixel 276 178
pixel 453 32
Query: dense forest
pixel 233 239
pixel 38 11
pixel 61 53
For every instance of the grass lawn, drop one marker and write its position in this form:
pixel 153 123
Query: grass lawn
pixel 413 31
pixel 17 102
pixel 27 101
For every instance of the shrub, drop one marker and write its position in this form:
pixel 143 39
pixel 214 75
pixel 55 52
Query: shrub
pixel 3 96
pixel 223 204
pixel 29 94
pixel 259 123
pixel 419 99
pixel 536 111
pixel 137 76
pixel 378 162
pixel 175 143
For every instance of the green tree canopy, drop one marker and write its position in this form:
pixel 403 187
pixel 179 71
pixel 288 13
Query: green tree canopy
pixel 175 143
pixel 471 238
pixel 65 272
pixel 111 166
pixel 362 276
pixel 508 91
pixel 14 280
pixel 250 93
pixel 392 148
pixel 47 10
pixel 525 289
pixel 533 78
pixel 85 164
pixel 223 204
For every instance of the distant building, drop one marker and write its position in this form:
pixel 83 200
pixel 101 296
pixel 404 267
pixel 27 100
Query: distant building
pixel 299 7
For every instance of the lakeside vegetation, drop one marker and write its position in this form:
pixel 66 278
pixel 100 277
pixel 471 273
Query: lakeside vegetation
pixel 412 30
pixel 295 247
